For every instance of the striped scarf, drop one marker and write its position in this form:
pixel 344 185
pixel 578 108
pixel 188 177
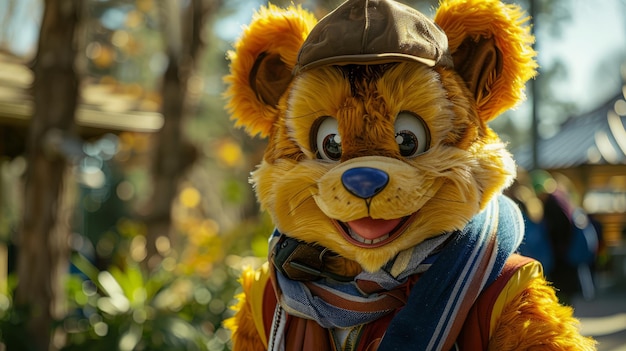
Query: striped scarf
pixel 455 266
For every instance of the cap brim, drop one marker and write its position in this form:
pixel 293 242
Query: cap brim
pixel 370 59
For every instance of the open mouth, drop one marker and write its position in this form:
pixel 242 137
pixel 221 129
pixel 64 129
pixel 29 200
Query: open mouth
pixel 371 233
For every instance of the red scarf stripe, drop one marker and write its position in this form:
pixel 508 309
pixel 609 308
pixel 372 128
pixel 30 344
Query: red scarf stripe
pixel 386 301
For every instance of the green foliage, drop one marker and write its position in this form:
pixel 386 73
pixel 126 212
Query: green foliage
pixel 13 330
pixel 113 302
pixel 13 321
pixel 125 309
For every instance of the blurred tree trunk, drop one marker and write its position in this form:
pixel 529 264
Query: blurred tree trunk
pixel 42 261
pixel 182 33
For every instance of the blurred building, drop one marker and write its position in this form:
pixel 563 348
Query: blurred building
pixel 590 150
pixel 104 108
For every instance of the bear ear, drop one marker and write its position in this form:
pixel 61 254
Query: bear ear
pixel 261 65
pixel 491 46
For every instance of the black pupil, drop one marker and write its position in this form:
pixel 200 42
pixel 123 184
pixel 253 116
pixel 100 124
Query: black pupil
pixel 409 143
pixel 332 149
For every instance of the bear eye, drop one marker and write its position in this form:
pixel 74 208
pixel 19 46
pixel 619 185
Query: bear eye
pixel 328 140
pixel 412 134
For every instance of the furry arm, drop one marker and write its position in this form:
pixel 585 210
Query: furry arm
pixel 247 322
pixel 534 319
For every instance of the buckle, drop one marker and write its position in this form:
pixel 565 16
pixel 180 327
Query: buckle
pixel 301 261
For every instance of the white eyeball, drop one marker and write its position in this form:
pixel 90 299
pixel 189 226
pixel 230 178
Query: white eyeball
pixel 412 134
pixel 328 140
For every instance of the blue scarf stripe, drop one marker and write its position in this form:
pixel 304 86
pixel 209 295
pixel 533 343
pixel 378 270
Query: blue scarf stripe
pixel 511 223
pixel 297 300
pixel 435 290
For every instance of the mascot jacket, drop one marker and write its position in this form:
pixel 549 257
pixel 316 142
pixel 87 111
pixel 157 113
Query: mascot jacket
pixel 474 334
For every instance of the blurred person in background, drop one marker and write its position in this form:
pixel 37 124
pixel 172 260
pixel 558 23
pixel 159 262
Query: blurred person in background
pixel 573 238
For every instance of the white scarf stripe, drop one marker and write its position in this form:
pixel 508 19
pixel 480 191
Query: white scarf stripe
pixel 279 322
pixel 460 288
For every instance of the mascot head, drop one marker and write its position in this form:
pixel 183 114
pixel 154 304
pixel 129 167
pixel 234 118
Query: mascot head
pixel 376 119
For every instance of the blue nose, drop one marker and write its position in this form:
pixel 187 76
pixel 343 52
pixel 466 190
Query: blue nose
pixel 364 182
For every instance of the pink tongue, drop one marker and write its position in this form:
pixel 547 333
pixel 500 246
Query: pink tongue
pixel 370 228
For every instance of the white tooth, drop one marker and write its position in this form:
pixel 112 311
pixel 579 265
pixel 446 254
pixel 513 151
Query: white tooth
pixel 356 236
pixel 363 240
pixel 384 237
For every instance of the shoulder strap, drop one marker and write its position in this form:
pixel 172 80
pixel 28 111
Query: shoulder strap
pixel 483 316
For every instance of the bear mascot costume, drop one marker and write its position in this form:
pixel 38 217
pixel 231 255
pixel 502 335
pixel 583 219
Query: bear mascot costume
pixel 384 182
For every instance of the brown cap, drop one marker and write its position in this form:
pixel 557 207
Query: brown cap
pixel 374 31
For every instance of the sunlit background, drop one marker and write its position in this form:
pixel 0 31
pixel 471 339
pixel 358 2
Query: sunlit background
pixel 113 302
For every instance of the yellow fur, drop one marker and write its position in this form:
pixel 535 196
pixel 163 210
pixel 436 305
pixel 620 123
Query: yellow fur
pixel 535 320
pixel 245 335
pixel 448 184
